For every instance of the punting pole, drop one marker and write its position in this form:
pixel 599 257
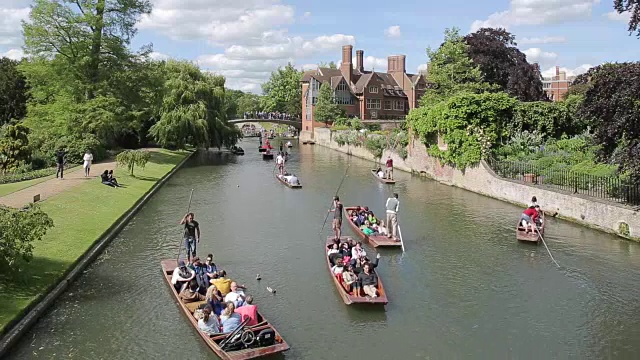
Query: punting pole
pixel 401 240
pixel 188 209
pixel 337 190
pixel 545 245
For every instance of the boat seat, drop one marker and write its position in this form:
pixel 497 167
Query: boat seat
pixel 192 306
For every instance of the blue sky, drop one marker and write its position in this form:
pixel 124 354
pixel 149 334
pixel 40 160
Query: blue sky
pixel 247 39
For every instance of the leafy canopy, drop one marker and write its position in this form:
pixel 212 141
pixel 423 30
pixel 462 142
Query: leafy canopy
pixel 18 230
pixel 13 91
pixel 633 7
pixel 326 109
pixel 494 51
pixel 282 92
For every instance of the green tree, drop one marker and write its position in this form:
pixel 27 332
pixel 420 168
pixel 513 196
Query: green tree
pixel 132 158
pixel 91 36
pixel 451 70
pixel 249 103
pixel 19 229
pixel 326 110
pixel 14 146
pixel 282 92
pixel 194 110
pixel 633 7
pixel 13 91
pixel 330 65
pixel 503 64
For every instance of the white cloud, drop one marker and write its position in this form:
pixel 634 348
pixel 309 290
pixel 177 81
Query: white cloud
pixel 392 31
pixel 158 56
pixel 222 22
pixel 423 67
pixel 10 24
pixel 306 67
pixel 379 64
pixel 615 16
pixel 536 55
pixel 542 40
pixel 307 14
pixel 537 12
pixel 14 54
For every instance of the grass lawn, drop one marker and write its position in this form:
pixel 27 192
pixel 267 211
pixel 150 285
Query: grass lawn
pixel 78 223
pixel 6 189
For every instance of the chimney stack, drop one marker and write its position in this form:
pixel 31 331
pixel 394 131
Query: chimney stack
pixel 360 60
pixel 396 63
pixel 346 68
pixel 557 70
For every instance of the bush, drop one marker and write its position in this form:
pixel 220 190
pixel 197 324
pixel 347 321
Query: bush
pixel 131 158
pixel 44 148
pixel 376 145
pixel 19 229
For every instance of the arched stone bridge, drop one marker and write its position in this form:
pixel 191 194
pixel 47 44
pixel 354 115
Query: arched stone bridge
pixel 297 123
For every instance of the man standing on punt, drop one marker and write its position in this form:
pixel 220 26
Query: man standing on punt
pixel 392 216
pixel 191 235
pixel 337 217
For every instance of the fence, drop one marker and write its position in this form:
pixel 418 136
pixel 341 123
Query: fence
pixel 603 187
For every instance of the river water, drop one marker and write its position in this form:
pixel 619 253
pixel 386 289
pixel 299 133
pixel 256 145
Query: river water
pixel 464 289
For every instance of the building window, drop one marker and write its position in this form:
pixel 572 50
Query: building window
pixel 314 100
pixel 344 100
pixel 373 103
pixel 342 86
pixel 373 89
pixel 398 105
pixel 387 104
pixel 315 85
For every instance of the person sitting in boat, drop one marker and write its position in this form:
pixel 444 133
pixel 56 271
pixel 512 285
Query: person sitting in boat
pixel 539 218
pixel 380 229
pixel 359 265
pixel 350 281
pixel 345 251
pixel 534 201
pixel 380 173
pixel 367 229
pixel 181 276
pixel 229 319
pixel 289 144
pixel 209 323
pixel 214 298
pixel 248 311
pixel 338 268
pixel 236 295
pixel 292 179
pixel 210 267
pixel 372 218
pixel 201 276
pixel 369 281
pixel 360 219
pixel 357 252
pixel 221 282
pixel 334 250
pixel 528 218
pixel 190 293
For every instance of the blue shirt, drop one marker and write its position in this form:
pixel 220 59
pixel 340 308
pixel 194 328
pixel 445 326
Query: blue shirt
pixel 231 323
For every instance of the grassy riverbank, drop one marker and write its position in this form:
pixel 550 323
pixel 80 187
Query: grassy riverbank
pixel 6 189
pixel 80 216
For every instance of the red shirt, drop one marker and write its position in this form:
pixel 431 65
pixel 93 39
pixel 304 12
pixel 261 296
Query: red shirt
pixel 389 163
pixel 248 312
pixel 532 213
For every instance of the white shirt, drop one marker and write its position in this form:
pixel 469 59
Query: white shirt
pixel 355 254
pixel 332 251
pixel 233 296
pixel 176 275
pixel 293 180
pixel 279 160
pixel 87 157
pixel 380 173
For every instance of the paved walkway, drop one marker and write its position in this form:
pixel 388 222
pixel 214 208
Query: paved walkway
pixel 51 187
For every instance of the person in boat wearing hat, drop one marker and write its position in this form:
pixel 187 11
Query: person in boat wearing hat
pixel 182 275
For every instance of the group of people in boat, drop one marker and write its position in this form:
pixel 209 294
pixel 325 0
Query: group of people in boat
pixel 387 173
pixel 530 218
pixel 291 179
pixel 367 222
pixel 222 303
pixel 353 269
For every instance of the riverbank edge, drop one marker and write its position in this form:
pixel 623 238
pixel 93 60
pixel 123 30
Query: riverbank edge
pixel 23 322
pixel 598 215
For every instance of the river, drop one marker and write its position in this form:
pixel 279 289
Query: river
pixel 464 289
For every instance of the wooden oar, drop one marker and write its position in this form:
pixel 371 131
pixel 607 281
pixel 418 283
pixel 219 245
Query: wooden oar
pixel 401 241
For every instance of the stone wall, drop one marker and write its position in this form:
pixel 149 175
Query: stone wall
pixel 481 179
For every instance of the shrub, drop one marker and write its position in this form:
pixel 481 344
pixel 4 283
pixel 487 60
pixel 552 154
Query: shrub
pixel 19 229
pixel 131 158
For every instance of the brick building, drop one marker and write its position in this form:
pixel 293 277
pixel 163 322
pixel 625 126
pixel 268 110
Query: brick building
pixel 557 85
pixel 365 94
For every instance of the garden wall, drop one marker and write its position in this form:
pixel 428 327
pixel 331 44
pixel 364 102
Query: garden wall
pixel 481 179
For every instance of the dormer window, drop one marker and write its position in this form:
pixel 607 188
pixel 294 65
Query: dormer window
pixel 373 89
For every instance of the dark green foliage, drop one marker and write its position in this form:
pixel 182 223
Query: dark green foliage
pixel 13 92
pixel 494 51
pixel 326 110
pixel 550 119
pixel 14 146
pixel 632 6
pixel 19 229
pixel 132 158
pixel 283 92
pixel 612 108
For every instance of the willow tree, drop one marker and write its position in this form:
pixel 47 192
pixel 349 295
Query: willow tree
pixel 194 109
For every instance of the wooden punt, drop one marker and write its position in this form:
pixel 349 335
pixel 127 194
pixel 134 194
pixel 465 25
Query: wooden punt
pixel 346 296
pixel 309 142
pixel 261 149
pixel 286 183
pixel 376 241
pixel 386 181
pixel 267 156
pixel 522 235
pixel 279 346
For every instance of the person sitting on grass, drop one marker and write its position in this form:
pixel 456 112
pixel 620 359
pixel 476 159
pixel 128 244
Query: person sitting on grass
pixel 105 179
pixel 113 179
